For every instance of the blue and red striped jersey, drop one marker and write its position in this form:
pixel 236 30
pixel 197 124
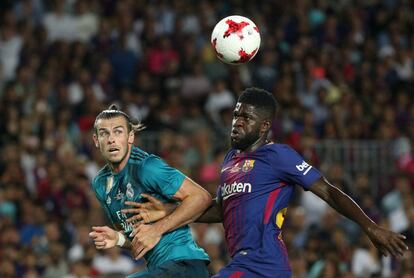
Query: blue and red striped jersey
pixel 255 191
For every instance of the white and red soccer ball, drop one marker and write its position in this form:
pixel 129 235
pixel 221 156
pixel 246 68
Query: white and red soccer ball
pixel 236 39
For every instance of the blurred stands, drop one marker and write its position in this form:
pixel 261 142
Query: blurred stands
pixel 342 72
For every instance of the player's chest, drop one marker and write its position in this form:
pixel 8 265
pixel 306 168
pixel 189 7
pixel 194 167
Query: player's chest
pixel 120 190
pixel 245 178
pixel 246 169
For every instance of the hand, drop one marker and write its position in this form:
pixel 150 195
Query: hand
pixel 387 242
pixel 145 238
pixel 148 212
pixel 104 237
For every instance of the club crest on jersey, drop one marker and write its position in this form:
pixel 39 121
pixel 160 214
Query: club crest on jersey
pixel 248 165
pixel 129 191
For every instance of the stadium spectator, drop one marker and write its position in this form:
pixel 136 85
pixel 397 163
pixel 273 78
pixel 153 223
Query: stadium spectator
pixel 348 64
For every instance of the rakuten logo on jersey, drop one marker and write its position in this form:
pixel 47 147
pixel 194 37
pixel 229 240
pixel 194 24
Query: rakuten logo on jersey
pixel 228 190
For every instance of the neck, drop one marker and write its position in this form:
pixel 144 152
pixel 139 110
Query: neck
pixel 259 142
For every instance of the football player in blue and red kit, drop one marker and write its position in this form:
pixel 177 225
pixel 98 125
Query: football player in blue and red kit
pixel 257 183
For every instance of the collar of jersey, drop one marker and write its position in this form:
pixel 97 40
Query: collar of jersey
pixel 238 152
pixel 120 173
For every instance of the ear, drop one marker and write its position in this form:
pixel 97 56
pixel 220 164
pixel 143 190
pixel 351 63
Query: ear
pixel 131 137
pixel 265 126
pixel 95 140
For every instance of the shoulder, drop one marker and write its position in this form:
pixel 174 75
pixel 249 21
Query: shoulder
pixel 280 149
pixel 102 174
pixel 152 163
pixel 138 156
pixel 144 161
pixel 281 152
pixel 157 175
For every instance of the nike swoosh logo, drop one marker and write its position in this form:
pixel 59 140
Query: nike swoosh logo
pixel 225 169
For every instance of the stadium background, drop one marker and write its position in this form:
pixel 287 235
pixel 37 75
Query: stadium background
pixel 341 70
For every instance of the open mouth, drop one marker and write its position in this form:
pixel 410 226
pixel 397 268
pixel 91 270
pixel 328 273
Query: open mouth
pixel 113 150
pixel 234 133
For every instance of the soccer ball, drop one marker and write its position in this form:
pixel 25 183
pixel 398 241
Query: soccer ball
pixel 236 39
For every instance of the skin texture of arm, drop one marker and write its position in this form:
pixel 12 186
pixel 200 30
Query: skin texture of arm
pixel 148 212
pixel 386 241
pixel 154 210
pixel 194 200
pixel 213 214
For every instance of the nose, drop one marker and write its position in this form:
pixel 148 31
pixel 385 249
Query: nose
pixel 111 137
pixel 237 122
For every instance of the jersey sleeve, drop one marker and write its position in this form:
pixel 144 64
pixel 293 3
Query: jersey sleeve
pixel 292 168
pixel 158 176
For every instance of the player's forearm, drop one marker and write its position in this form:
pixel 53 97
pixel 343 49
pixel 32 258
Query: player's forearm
pixel 346 206
pixel 127 245
pixel 212 214
pixel 186 212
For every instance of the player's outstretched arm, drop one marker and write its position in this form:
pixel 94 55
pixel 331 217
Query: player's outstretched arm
pixel 194 200
pixel 388 242
pixel 148 212
pixel 154 210
pixel 213 214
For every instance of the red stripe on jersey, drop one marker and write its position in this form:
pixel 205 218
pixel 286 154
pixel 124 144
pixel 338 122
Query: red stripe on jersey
pixel 236 274
pixel 269 204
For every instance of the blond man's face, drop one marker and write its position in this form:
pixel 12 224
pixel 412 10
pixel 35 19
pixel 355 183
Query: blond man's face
pixel 113 139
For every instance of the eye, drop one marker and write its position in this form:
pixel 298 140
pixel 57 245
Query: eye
pixel 118 131
pixel 103 133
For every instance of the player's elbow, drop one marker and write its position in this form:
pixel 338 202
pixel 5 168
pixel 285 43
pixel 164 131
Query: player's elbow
pixel 194 194
pixel 200 199
pixel 204 199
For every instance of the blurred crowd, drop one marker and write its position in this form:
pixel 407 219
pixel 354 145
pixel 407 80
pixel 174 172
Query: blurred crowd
pixel 340 70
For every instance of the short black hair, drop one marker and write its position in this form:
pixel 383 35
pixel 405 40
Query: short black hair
pixel 113 111
pixel 260 99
